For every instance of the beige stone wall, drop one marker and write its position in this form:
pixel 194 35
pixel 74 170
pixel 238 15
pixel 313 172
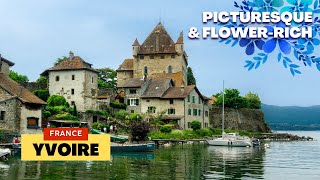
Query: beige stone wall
pixel 198 106
pixel 84 90
pixel 158 65
pixel 4 68
pixel 136 109
pixel 11 117
pixel 25 113
pixel 123 76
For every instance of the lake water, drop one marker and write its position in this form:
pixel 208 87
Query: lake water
pixel 282 160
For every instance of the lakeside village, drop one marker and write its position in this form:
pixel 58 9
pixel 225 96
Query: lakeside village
pixel 152 95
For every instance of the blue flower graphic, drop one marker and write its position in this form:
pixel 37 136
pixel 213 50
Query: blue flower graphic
pixel 311 42
pixel 268 5
pixel 301 6
pixel 250 44
pixel 271 44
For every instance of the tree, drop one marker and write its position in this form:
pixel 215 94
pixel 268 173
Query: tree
pixel 253 100
pixel 232 99
pixel 42 80
pixel 42 94
pixel 107 78
pixel 139 130
pixel 56 100
pixel 59 60
pixel 19 78
pixel 190 77
pixel 195 125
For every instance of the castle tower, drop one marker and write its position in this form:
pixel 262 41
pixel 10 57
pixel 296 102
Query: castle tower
pixel 135 48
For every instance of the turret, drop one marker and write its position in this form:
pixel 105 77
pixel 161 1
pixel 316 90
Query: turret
pixel 179 44
pixel 5 65
pixel 135 48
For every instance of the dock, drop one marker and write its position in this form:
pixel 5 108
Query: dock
pixel 158 142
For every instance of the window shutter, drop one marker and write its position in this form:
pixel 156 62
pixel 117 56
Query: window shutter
pixel 128 102
pixel 137 102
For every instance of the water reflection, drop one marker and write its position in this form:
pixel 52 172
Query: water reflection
pixel 177 162
pixel 235 163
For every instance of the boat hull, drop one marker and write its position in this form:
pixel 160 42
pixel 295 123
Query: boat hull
pixel 133 148
pixel 234 143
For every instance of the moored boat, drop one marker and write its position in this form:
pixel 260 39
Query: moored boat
pixel 5 152
pixel 149 147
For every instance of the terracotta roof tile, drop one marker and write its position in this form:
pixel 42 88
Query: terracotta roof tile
pixel 134 82
pixel 127 65
pixel 159 41
pixel 136 43
pixel 19 91
pixel 171 117
pixel 76 63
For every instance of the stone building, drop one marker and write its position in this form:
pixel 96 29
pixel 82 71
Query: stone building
pixel 20 110
pixel 76 80
pixel 155 81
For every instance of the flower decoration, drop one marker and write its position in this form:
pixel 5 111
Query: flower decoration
pixel 290 52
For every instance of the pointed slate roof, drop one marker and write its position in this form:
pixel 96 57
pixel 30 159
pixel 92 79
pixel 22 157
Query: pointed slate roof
pixel 6 61
pixel 157 87
pixel 136 43
pixel 180 39
pixel 158 41
pixel 127 65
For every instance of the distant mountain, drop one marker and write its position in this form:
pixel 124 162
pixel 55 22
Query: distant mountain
pixel 292 117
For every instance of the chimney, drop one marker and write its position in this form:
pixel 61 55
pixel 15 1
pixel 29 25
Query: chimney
pixel 71 55
pixel 182 89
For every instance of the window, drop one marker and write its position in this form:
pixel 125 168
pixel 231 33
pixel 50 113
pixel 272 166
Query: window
pixel 73 103
pixel 199 100
pixel 206 125
pixel 32 122
pixel 73 77
pixel 195 112
pixel 132 91
pixel 92 80
pixel 162 57
pixel 2 115
pixel 189 112
pixel 151 57
pixel 199 112
pixel 72 91
pixel 169 69
pixel 188 98
pixel 133 102
pixel 171 111
pixel 132 111
pixel 57 78
pixel 171 101
pixel 148 100
pixel 151 109
pixel 173 56
pixel 193 99
pixel 141 57
pixel 206 113
pixel 145 70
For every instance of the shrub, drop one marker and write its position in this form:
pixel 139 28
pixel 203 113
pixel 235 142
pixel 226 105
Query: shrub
pixel 46 114
pixel 135 117
pixel 56 100
pixel 204 132
pixel 195 125
pixel 96 124
pixel 42 94
pixel 118 105
pixel 66 116
pixel 139 130
pixel 166 129
pixel 122 115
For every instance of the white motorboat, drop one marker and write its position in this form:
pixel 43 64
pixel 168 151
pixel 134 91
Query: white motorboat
pixel 229 139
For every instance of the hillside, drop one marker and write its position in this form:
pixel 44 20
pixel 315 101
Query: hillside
pixel 292 117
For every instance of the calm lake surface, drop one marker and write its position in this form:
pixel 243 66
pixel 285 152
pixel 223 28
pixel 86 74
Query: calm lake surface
pixel 283 160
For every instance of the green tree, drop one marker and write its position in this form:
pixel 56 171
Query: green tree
pixel 232 99
pixel 253 100
pixel 18 77
pixel 195 125
pixel 42 80
pixel 59 60
pixel 42 94
pixel 190 77
pixel 56 100
pixel 107 78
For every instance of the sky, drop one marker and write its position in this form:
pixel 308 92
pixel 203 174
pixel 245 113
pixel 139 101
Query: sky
pixel 34 33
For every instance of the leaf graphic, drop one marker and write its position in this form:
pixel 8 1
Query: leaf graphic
pixel 279 57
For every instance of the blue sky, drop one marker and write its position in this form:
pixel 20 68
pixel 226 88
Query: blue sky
pixel 35 33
